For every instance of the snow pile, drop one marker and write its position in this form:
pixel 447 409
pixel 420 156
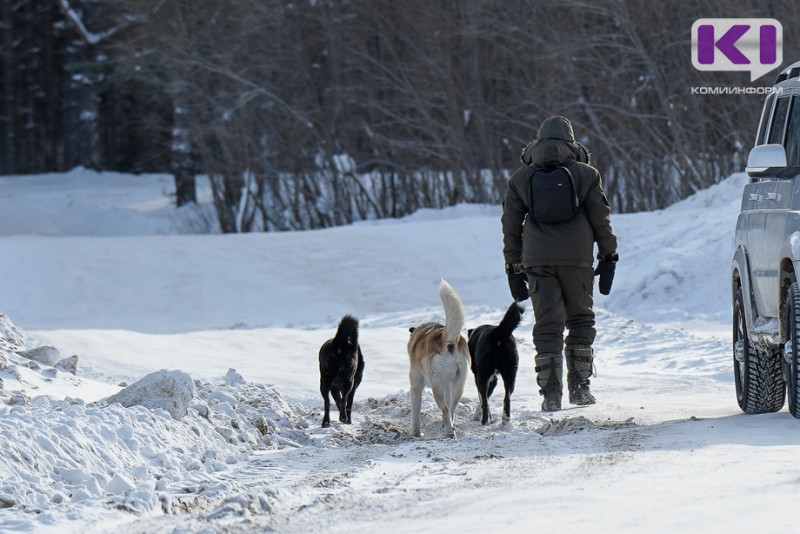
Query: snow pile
pixel 133 450
pixel 29 371
pixel 675 263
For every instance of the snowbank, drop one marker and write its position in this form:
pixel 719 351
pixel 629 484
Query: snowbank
pixel 133 450
pixel 675 263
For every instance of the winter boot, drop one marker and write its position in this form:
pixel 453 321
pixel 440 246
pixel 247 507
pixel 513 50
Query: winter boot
pixel 549 369
pixel 579 369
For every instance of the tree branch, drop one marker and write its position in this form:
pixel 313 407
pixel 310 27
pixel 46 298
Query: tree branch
pixel 89 37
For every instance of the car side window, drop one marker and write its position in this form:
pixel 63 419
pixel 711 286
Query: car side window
pixel 779 121
pixel 792 143
pixel 762 125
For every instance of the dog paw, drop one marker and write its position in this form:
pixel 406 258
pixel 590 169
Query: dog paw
pixel 326 424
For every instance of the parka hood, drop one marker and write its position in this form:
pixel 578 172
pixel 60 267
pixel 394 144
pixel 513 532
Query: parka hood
pixel 556 128
pixel 555 143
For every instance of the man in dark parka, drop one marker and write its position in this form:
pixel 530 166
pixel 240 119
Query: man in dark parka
pixel 552 263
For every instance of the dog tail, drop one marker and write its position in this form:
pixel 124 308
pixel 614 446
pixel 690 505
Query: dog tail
pixel 347 331
pixel 453 312
pixel 510 321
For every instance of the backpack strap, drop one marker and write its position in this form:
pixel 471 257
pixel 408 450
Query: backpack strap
pixel 564 166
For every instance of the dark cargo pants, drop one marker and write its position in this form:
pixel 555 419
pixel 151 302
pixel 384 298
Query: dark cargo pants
pixel 562 296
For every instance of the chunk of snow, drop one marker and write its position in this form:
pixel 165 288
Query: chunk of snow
pixel 46 355
pixel 81 495
pixel 221 396
pixel 232 378
pixel 69 364
pixel 75 476
pixel 119 485
pixel 125 432
pixel 141 472
pixel 168 390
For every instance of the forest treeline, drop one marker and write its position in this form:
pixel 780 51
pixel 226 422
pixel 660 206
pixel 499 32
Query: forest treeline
pixel 313 113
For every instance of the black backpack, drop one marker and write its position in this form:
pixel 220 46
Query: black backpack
pixel 553 198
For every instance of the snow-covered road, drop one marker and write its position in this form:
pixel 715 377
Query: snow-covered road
pixel 665 449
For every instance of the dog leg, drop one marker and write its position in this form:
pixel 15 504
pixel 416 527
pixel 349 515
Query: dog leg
pixel 443 401
pixel 445 377
pixel 356 381
pixel 491 383
pixel 508 384
pixel 443 392
pixel 326 418
pixel 349 406
pixel 456 392
pixel 417 385
pixel 486 415
pixel 340 401
pixel 478 415
pixel 485 392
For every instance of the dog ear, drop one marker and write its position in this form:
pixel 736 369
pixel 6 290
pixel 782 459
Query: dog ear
pixel 470 331
pixel 412 329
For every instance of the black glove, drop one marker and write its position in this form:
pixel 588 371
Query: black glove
pixel 605 268
pixel 517 281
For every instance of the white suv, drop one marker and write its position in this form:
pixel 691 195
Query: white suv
pixel 766 295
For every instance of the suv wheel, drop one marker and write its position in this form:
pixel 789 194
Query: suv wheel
pixel 758 374
pixel 792 348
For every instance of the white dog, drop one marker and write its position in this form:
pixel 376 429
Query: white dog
pixel 440 359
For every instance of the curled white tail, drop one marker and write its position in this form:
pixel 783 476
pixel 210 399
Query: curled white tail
pixel 453 312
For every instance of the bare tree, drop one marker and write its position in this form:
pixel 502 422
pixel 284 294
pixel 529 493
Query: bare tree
pixel 306 115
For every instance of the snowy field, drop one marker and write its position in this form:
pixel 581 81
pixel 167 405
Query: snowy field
pixel 100 267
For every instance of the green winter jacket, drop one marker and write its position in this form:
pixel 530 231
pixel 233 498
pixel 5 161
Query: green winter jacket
pixel 569 243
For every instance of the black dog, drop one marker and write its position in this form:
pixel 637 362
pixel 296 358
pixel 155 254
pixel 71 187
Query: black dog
pixel 493 351
pixel 341 366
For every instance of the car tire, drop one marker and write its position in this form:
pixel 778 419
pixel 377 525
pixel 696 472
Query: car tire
pixel 758 374
pixel 792 349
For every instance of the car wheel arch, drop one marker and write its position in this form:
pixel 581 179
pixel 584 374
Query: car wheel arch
pixel 741 278
pixel 788 275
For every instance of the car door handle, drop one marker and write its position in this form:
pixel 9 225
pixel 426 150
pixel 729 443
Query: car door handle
pixel 773 196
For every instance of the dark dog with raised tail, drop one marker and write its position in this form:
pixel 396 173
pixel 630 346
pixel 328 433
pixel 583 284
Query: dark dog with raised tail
pixel 493 351
pixel 341 366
